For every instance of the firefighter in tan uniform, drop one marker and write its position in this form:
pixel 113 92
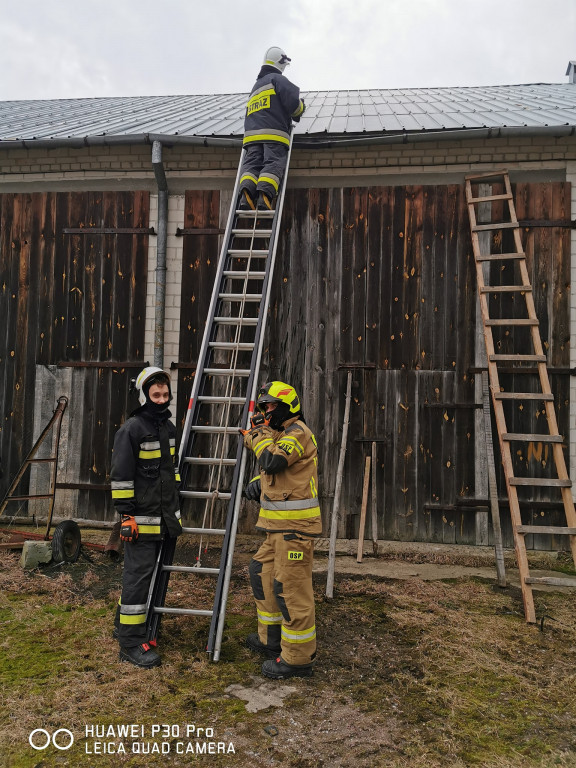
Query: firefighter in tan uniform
pixel 281 571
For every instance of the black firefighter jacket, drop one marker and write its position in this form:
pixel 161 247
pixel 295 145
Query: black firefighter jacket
pixel 273 103
pixel 144 477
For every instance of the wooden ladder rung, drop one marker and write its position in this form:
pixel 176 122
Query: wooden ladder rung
pixel 532 438
pixel 541 482
pixel 488 198
pixel 487 175
pixel 518 358
pixel 553 530
pixel 500 256
pixel 506 289
pixel 551 580
pixel 523 396
pixel 513 321
pixel 497 225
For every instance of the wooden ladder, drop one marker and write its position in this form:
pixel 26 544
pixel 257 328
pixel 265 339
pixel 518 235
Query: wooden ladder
pixel 475 187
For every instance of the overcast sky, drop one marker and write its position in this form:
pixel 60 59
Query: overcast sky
pixel 84 48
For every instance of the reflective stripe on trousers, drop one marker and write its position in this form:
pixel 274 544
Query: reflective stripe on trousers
pixel 281 578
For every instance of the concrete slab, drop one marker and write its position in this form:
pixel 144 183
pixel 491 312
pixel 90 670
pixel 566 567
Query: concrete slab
pixel 35 552
pixel 262 694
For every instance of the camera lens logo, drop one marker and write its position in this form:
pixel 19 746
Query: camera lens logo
pixel 40 739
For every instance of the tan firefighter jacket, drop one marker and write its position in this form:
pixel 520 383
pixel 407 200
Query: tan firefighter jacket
pixel 288 461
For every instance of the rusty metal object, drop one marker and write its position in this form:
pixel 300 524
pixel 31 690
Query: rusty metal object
pixel 56 424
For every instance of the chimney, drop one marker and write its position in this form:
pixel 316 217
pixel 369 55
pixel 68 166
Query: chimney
pixel 571 71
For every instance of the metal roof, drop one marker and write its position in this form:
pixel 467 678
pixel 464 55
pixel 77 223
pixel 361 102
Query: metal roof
pixel 344 114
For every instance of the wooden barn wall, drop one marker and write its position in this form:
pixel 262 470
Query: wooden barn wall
pixel 71 301
pixel 381 280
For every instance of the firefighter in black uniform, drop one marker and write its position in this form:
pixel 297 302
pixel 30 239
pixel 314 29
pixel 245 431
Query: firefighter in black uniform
pixel 272 106
pixel 144 480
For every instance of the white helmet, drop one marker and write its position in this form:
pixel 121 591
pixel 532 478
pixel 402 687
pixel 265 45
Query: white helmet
pixel 144 377
pixel 275 57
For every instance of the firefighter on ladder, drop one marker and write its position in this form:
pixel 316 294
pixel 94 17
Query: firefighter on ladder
pixel 281 570
pixel 144 480
pixel 272 106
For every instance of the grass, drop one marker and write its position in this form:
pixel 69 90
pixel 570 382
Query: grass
pixel 410 674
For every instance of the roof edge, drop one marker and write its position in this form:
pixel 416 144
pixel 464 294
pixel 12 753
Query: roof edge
pixel 301 141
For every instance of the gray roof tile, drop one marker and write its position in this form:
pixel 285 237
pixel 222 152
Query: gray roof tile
pixel 342 113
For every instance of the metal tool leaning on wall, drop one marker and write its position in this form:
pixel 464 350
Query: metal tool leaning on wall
pixel 281 570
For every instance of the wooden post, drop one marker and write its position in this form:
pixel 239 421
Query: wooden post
pixel 337 491
pixel 493 490
pixel 374 504
pixel 363 510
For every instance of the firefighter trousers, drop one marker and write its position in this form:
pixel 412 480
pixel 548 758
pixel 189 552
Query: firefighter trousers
pixel 139 561
pixel 263 168
pixel 281 580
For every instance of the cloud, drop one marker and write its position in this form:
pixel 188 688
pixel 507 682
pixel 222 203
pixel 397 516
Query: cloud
pixel 76 49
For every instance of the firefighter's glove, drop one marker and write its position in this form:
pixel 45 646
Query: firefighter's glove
pixel 258 420
pixel 253 489
pixel 128 529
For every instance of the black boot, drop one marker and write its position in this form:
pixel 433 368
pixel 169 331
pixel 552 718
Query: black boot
pixel 245 202
pixel 141 655
pixel 255 644
pixel 264 203
pixel 278 669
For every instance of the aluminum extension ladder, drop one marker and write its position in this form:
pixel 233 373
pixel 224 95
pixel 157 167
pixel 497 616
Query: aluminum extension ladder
pixel 499 211
pixel 212 458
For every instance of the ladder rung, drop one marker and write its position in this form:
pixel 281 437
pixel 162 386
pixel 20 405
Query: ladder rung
pixel 505 196
pixel 227 372
pixel 30 498
pixel 39 461
pixel 218 399
pixel 551 580
pixel 209 430
pixel 262 214
pixel 252 232
pixel 513 321
pixel 240 296
pixel 541 482
pixel 205 531
pixel 209 461
pixel 506 289
pixel 241 346
pixel 189 569
pixel 487 175
pixel 509 436
pixel 523 396
pixel 205 495
pixel 234 274
pixel 518 358
pixel 236 321
pixel 182 611
pixel 242 253
pixel 554 530
pixel 500 256
pixel 497 225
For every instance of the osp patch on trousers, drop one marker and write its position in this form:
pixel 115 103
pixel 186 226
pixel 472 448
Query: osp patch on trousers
pixel 281 579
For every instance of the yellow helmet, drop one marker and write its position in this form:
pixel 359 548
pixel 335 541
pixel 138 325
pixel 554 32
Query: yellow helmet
pixel 279 392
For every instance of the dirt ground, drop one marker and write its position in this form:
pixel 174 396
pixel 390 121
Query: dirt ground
pixel 423 661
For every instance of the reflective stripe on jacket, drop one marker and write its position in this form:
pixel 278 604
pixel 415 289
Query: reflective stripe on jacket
pixel 144 477
pixel 288 461
pixel 273 103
